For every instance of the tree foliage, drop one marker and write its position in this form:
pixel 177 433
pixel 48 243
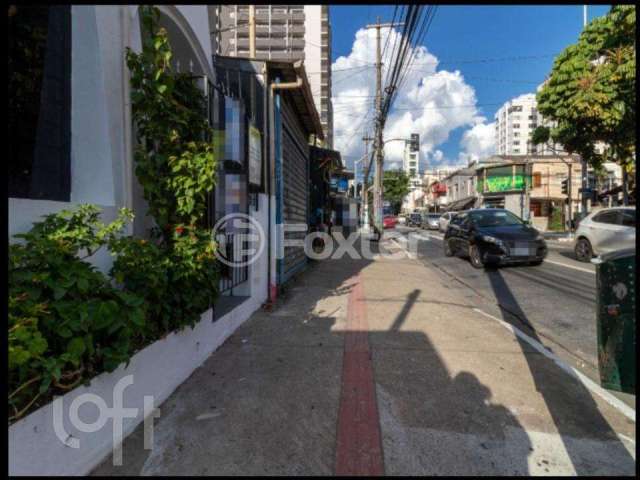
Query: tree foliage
pixel 590 95
pixel 395 185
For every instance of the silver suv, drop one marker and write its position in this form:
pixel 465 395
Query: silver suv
pixel 604 231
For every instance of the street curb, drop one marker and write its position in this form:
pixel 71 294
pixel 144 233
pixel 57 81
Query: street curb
pixel 592 386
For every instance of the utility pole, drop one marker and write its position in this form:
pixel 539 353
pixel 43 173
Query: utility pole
pixel 584 174
pixel 378 144
pixel 570 195
pixel 365 183
pixel 252 31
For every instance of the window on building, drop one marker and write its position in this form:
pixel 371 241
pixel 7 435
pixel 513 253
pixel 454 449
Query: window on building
pixel 516 125
pixel 537 179
pixel 39 98
pixel 516 142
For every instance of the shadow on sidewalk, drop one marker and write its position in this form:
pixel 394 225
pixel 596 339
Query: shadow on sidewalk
pixel 267 401
pixel 570 404
pixel 435 423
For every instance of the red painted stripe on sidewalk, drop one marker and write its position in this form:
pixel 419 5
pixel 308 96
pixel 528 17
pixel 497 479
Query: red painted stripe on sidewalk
pixel 359 446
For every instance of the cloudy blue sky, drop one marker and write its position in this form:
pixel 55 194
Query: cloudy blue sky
pixel 468 67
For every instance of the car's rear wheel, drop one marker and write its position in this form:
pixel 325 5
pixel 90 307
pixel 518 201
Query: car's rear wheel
pixel 474 257
pixel 583 250
pixel 448 251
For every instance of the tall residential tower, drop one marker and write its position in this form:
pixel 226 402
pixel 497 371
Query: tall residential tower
pixel 284 33
pixel 515 122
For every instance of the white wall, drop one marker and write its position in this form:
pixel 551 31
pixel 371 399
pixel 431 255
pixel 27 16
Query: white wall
pixel 197 17
pixel 312 51
pixel 101 136
pixel 91 155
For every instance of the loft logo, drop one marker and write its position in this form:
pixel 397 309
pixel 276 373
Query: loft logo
pixel 117 413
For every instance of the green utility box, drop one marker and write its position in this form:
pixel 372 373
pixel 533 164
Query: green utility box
pixel 616 290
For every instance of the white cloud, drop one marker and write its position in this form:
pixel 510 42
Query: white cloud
pixel 432 103
pixel 478 142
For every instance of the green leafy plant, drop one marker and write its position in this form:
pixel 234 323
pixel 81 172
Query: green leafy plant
pixel 555 220
pixel 174 158
pixel 395 184
pixel 591 95
pixel 66 321
pixel 176 165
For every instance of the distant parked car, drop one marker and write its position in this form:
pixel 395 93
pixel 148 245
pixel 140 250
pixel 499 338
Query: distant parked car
pixel 493 236
pixel 604 231
pixel 444 220
pixel 414 220
pixel 430 221
pixel 389 221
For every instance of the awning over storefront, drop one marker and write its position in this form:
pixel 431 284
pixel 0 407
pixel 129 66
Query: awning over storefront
pixel 461 204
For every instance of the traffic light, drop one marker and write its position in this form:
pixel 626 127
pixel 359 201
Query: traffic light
pixel 414 145
pixel 565 187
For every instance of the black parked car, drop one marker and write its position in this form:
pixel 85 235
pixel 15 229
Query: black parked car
pixel 492 236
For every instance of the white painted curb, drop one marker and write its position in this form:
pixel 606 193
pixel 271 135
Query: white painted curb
pixel 158 369
pixel 616 403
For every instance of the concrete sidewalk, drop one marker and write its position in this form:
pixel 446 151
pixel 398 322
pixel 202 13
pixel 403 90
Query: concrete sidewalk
pixel 380 366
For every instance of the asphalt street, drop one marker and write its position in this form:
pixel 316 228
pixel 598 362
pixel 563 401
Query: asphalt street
pixel 557 299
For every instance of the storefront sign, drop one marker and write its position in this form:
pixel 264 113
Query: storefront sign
pixel 503 183
pixel 339 184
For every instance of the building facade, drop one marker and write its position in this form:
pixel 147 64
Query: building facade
pixel 515 122
pixel 460 188
pixel 283 33
pixel 531 187
pixel 411 167
pixel 72 142
pixel 435 192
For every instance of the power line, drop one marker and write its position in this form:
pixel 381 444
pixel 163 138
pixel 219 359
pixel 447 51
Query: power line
pixel 490 60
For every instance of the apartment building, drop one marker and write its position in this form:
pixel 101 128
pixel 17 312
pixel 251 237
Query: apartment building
pixel 411 166
pixel 515 122
pixel 283 33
